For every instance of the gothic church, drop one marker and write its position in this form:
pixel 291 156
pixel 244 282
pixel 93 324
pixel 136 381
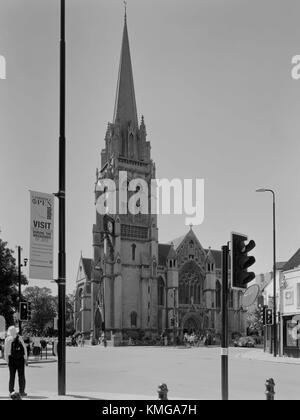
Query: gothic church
pixel 133 283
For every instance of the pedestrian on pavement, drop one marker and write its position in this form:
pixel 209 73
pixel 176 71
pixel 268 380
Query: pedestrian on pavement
pixel 82 341
pixel 36 347
pixel 15 354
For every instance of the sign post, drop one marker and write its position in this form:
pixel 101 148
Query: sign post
pixel 41 236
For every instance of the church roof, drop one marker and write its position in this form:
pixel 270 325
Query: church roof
pixel 217 256
pixel 87 266
pixel 163 252
pixel 293 262
pixel 125 105
pixel 177 241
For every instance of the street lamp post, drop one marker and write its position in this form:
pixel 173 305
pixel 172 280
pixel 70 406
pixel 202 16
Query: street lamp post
pixel 61 195
pixel 274 270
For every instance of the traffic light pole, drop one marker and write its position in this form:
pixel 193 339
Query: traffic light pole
pixel 61 281
pixel 224 338
pixel 274 277
pixel 20 294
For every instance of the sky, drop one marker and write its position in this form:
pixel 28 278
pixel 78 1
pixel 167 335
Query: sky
pixel 213 80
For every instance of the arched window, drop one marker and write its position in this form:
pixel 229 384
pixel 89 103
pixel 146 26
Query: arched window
pixel 199 293
pixel 191 244
pixel 133 248
pixel 133 319
pixel 181 293
pixel 80 298
pixel 218 294
pixel 160 291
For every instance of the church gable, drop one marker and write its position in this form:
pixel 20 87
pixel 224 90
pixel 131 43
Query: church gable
pixel 84 271
pixel 190 249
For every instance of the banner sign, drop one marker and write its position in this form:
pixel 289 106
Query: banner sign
pixel 41 236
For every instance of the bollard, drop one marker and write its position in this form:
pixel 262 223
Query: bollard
pixel 162 392
pixel 270 392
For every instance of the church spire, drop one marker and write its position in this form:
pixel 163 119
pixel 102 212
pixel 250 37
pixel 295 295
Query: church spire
pixel 125 105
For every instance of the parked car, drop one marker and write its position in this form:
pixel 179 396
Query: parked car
pixel 244 342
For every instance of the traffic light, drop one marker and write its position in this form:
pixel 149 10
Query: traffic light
pixel 23 311
pixel 172 322
pixel 241 261
pixel 269 317
pixel 262 316
pixel 29 311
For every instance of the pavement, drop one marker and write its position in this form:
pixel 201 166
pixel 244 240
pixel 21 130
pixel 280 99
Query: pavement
pixel 84 396
pixel 134 373
pixel 268 357
pixel 34 361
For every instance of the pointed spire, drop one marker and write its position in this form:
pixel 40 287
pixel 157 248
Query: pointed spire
pixel 125 105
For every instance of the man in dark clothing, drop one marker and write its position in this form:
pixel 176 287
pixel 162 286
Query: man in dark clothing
pixel 15 354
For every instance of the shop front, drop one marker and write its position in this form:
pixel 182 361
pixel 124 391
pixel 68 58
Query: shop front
pixel 291 335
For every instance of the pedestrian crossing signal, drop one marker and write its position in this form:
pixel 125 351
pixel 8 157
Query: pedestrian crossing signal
pixel 269 317
pixel 23 311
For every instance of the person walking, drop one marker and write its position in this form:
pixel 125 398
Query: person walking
pixel 15 354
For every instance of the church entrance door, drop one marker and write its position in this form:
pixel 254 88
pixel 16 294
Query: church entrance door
pixel 191 324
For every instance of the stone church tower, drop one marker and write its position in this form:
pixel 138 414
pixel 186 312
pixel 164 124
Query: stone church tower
pixel 124 278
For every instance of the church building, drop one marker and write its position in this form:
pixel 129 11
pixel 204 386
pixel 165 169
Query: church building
pixel 133 283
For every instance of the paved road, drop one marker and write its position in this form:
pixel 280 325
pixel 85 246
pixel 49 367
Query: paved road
pixel 136 371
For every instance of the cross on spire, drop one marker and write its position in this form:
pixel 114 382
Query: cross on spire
pixel 125 7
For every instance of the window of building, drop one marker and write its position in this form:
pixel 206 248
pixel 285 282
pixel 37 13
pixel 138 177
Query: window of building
pixel 133 319
pixel 160 291
pixel 191 244
pixel 218 294
pixel 133 248
pixel 80 297
pixel 298 295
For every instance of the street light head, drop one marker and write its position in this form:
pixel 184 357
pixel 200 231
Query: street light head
pixel 261 190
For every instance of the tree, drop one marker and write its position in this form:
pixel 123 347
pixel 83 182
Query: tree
pixel 254 321
pixel 9 281
pixel 43 309
pixel 70 299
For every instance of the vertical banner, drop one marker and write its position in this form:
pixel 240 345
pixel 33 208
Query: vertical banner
pixel 41 236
